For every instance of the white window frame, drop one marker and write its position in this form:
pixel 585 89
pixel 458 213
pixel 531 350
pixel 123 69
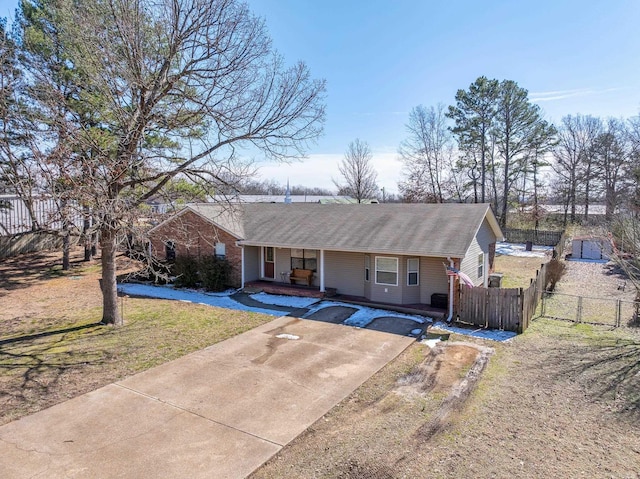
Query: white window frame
pixel 386 271
pixel 307 256
pixel 416 271
pixel 367 268
pixel 481 265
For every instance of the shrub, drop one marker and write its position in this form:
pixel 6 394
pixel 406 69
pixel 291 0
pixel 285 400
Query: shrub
pixel 555 271
pixel 185 269
pixel 214 273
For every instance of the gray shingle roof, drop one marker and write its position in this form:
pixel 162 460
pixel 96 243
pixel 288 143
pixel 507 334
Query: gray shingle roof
pixel 414 229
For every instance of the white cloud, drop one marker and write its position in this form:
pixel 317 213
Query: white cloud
pixel 559 94
pixel 564 94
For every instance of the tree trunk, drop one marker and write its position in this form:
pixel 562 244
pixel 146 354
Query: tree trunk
pixel 483 165
pixel 572 196
pixel 110 311
pixel 66 240
pixel 505 199
pixel 65 249
pixel 586 194
pixel 87 237
pixel 610 201
pixel 536 212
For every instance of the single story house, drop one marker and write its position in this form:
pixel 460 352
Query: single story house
pixel 388 253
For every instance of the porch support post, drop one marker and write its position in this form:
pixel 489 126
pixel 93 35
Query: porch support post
pixel 261 262
pixel 322 271
pixel 242 266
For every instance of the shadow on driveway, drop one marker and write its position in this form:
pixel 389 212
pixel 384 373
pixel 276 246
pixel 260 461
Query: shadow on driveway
pixel 397 325
pixel 332 314
pixel 386 324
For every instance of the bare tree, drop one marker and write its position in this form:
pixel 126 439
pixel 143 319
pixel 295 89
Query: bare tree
pixel 576 138
pixel 357 172
pixel 632 167
pixel 425 154
pixel 612 153
pixel 172 88
pixel 17 170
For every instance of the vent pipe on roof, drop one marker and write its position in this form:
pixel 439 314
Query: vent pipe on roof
pixel 287 194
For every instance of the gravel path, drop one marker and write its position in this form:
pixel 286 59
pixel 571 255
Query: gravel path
pixel 595 280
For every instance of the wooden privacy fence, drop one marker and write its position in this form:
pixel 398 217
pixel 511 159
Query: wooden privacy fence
pixel 539 237
pixel 510 309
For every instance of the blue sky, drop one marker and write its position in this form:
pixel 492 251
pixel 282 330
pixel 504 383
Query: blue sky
pixel 381 58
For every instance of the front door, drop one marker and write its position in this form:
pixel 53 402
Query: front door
pixel 269 262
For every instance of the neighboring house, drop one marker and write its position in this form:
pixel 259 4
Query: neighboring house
pixel 238 198
pixel 15 217
pixel 390 253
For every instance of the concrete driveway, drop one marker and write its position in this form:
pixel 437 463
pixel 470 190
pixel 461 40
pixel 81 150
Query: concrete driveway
pixel 216 413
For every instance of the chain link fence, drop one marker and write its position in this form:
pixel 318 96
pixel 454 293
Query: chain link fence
pixel 592 310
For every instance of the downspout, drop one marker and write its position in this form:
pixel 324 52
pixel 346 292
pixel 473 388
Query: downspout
pixel 451 282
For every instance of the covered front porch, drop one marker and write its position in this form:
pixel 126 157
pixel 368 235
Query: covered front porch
pixel 287 289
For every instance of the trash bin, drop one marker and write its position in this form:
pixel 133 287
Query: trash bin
pixel 495 280
pixel 529 246
pixel 440 300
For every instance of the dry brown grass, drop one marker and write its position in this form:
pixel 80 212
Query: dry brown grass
pixel 540 411
pixel 560 400
pixel 52 347
pixel 518 271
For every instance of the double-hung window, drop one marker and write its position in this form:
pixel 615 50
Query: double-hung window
pixel 170 250
pixel 220 250
pixel 387 270
pixel 413 265
pixel 304 259
pixel 480 265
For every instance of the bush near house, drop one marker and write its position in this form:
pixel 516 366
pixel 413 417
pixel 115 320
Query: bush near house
pixel 209 272
pixel 555 270
pixel 215 273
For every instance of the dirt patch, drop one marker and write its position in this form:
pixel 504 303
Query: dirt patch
pixel 536 416
pixel 440 370
pixel 560 400
pixel 379 426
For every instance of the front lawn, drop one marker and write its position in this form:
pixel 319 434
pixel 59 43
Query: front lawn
pixel 52 347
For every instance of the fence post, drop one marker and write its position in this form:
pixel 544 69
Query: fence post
pixel 618 313
pixel 579 310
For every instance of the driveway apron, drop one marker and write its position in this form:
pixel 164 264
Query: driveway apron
pixel 220 412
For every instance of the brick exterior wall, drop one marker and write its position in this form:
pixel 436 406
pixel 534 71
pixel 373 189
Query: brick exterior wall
pixel 195 236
